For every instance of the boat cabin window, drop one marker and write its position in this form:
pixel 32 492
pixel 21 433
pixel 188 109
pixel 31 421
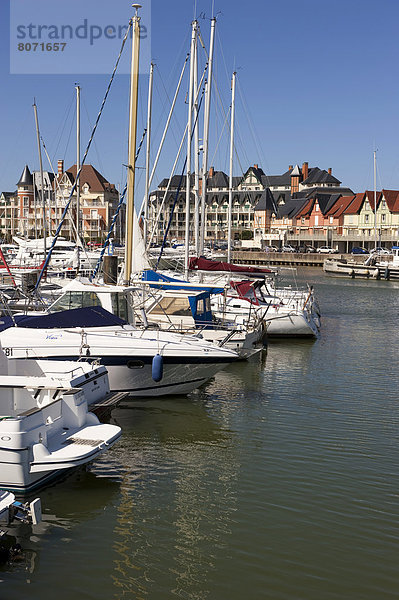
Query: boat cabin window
pixel 72 300
pixel 119 305
pixel 173 306
pixel 203 305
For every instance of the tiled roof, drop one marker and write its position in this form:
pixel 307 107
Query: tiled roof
pixel 307 193
pixel 340 206
pixel 316 175
pixel 94 179
pixel 266 201
pixel 291 208
pixel 306 209
pixel 283 180
pixel 356 204
pixel 373 198
pixel 392 199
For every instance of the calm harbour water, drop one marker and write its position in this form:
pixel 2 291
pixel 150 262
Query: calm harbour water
pixel 276 480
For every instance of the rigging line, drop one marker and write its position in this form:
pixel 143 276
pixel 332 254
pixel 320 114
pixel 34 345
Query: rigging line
pixel 46 262
pixel 115 217
pixel 178 188
pixel 94 141
pixel 185 130
pixel 251 126
pixel 70 133
pixel 171 110
pixel 71 220
pixel 153 170
pixel 160 208
pixel 55 177
pixel 220 137
pixel 62 125
pixel 170 101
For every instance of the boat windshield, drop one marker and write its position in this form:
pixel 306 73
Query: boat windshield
pixel 71 300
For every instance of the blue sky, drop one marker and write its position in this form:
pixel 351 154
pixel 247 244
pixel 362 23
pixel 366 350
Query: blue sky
pixel 316 81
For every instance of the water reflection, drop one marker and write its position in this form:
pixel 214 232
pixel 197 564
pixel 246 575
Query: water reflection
pixel 177 501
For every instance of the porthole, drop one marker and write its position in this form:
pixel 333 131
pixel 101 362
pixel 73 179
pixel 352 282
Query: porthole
pixel 135 364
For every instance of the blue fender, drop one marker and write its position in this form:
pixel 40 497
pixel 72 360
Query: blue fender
pixel 157 367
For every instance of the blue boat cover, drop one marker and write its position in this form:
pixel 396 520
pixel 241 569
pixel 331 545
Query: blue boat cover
pixel 149 275
pixel 91 316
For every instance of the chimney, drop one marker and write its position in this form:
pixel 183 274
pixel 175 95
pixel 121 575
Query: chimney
pixel 305 170
pixel 255 166
pixel 290 167
pixel 60 167
pixel 330 171
pixel 211 172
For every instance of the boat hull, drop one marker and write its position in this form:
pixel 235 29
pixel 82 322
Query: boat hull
pixel 354 270
pixel 128 356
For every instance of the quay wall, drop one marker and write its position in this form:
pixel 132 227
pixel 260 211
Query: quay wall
pixel 293 259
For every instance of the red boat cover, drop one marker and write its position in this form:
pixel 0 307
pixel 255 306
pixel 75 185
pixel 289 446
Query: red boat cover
pixel 245 289
pixel 204 264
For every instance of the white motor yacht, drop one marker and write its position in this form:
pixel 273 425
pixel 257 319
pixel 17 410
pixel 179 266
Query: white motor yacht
pixel 143 362
pixel 45 425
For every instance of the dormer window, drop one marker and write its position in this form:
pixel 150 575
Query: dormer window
pixel 85 188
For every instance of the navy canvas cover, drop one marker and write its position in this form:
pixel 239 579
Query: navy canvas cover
pixel 92 316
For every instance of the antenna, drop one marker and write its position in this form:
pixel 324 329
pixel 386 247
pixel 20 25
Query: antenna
pixel 136 8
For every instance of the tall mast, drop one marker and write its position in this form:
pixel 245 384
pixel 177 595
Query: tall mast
pixel 233 96
pixel 189 127
pixel 208 91
pixel 41 178
pixel 375 199
pixel 77 164
pixel 134 87
pixel 196 151
pixel 147 158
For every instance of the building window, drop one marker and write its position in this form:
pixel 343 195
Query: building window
pixel 26 200
pixel 383 218
pixel 366 218
pixel 303 220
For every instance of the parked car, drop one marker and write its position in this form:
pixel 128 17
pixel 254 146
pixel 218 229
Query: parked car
pixel 288 249
pixel 379 250
pixel 359 250
pixel 305 248
pixel 326 250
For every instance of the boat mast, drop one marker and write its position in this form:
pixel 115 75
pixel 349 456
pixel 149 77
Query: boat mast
pixel 134 86
pixel 196 151
pixel 41 178
pixel 208 90
pixel 233 97
pixel 77 164
pixel 147 158
pixel 375 199
pixel 189 127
